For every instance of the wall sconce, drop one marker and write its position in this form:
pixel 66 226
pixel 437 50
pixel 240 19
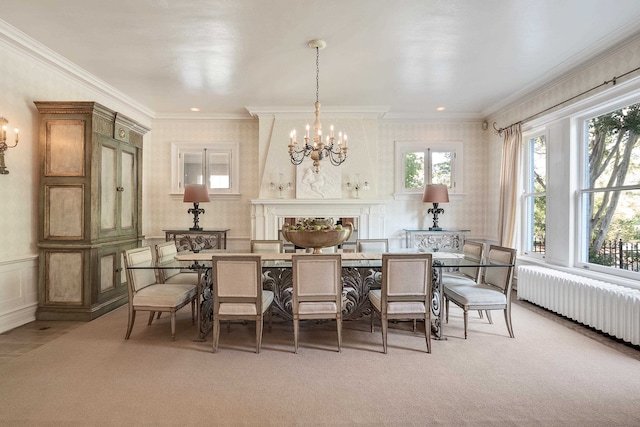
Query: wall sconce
pixel 280 186
pixel 3 144
pixel 357 186
pixel 435 193
pixel 196 193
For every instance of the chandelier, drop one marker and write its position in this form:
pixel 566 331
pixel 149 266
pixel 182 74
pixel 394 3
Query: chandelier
pixel 317 149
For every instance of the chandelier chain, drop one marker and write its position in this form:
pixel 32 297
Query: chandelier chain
pixel 317 75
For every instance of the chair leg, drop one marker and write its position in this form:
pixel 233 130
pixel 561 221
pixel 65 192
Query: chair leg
pixel 385 325
pixel 132 318
pixel 489 316
pixel 339 326
pixel 159 313
pixel 216 333
pixel 427 331
pixel 447 315
pixel 507 318
pixel 373 313
pixel 480 314
pixel 259 325
pixel 295 333
pixel 173 326
pixel 151 314
pixel 193 312
pixel 466 320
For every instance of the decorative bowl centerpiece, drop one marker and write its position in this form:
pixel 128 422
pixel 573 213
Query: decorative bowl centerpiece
pixel 316 233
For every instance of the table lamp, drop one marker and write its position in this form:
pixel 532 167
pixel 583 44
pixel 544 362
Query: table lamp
pixel 435 193
pixel 195 193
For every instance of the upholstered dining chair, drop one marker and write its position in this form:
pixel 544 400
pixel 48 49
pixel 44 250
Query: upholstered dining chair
pixel 169 270
pixel 466 275
pixel 238 293
pixel 372 245
pixel 492 293
pixel 147 294
pixel 405 292
pixel 317 291
pixel 266 246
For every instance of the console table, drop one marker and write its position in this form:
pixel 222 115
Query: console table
pixel 197 240
pixel 432 240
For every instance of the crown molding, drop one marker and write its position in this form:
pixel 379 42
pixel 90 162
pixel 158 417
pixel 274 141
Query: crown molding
pixel 198 116
pixel 26 45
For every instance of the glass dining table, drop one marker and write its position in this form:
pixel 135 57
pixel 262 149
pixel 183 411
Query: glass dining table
pixel 361 272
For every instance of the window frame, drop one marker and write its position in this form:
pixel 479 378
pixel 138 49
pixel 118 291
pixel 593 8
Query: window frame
pixel 404 147
pixel 580 127
pixel 178 149
pixel 528 195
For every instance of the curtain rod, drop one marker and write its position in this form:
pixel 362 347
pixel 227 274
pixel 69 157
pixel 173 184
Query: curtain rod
pixel 606 82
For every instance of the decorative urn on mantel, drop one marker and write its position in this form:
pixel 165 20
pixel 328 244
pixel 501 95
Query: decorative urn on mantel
pixel 316 233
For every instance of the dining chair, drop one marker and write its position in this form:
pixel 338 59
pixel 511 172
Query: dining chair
pixel 266 246
pixel 317 290
pixel 372 245
pixel 238 293
pixel 469 275
pixel 169 270
pixel 147 294
pixel 405 292
pixel 492 293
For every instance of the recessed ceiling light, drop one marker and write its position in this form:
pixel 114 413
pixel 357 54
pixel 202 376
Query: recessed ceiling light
pixel 194 109
pixel 441 108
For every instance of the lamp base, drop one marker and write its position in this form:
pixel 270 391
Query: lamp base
pixel 195 228
pixel 435 228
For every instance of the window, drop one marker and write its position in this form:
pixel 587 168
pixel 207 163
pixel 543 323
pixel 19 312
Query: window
pixel 610 190
pixel 534 198
pixel 213 164
pixel 425 163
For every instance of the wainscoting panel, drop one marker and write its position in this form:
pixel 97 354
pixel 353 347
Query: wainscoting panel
pixel 18 292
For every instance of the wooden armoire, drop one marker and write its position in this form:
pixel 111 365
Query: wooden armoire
pixel 90 207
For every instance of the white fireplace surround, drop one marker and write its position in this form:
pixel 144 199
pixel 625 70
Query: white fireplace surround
pixel 267 216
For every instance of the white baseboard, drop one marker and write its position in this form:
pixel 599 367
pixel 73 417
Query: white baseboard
pixel 18 317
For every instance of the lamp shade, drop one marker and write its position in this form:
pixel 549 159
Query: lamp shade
pixel 436 193
pixel 196 193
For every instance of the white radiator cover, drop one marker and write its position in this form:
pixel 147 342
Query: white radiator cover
pixel 610 308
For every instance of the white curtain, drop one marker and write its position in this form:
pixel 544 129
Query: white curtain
pixel 509 174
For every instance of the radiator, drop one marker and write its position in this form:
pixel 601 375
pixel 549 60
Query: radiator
pixel 610 308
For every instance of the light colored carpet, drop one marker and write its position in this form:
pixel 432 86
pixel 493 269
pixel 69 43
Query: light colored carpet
pixel 548 375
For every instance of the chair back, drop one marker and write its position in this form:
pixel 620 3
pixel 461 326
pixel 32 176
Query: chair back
pixel 237 279
pixel 406 278
pixel 500 277
pixel 266 246
pixel 317 277
pixel 378 246
pixel 474 251
pixel 142 277
pixel 165 257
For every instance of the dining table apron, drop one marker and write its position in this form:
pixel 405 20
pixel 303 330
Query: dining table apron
pixel 361 272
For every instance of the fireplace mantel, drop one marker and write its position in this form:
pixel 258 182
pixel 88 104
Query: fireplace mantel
pixel 267 215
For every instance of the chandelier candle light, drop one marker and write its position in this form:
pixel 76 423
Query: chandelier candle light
pixel 435 193
pixel 336 151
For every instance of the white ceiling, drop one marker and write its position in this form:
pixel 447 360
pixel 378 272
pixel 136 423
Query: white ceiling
pixel 411 56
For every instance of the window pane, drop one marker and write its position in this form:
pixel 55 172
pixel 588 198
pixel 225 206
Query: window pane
pixel 441 167
pixel 615 228
pixel 539 166
pixel 536 214
pixel 219 170
pixel 192 167
pixel 613 149
pixel 414 170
